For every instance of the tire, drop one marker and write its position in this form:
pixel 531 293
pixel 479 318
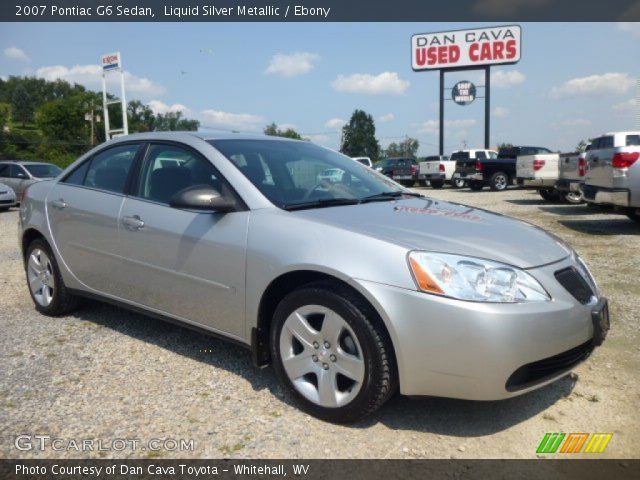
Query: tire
pixel 363 346
pixel 549 194
pixel 407 183
pixel 476 186
pixel 499 182
pixel 458 183
pixel 574 198
pixel 46 287
pixel 423 183
pixel 437 184
pixel 4 209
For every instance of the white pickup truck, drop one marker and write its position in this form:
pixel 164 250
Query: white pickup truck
pixel 573 167
pixel 539 172
pixel 438 170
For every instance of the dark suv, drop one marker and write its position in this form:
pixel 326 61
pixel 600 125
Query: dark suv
pixel 403 170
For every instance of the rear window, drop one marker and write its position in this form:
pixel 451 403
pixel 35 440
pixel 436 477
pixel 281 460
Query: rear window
pixel 508 153
pixel 43 170
pixel 633 140
pixel 460 156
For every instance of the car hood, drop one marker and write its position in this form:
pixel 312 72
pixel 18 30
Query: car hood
pixel 434 225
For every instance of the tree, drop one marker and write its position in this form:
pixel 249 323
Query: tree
pixel 502 146
pixel 273 130
pixel 5 117
pixel 172 121
pixel 582 145
pixel 140 117
pixel 359 136
pixel 22 105
pixel 407 148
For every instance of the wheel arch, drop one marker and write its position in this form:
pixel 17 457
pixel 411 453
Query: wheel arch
pixel 28 236
pixel 289 282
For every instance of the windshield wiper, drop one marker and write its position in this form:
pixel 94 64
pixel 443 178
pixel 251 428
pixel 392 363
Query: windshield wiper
pixel 322 202
pixel 384 196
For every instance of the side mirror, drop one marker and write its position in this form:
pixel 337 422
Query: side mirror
pixel 201 197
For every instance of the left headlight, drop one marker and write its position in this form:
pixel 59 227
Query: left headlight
pixel 474 279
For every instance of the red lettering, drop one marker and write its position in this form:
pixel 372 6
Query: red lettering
pixel 421 56
pixel 432 55
pixel 498 50
pixel 512 50
pixel 473 52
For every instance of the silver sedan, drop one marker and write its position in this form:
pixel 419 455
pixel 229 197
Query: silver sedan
pixel 351 289
pixel 7 197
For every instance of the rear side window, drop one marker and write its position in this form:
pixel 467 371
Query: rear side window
pixel 606 142
pixel 481 155
pixel 633 140
pixel 108 170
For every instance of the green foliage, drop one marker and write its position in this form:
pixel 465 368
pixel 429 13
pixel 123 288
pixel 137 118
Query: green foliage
pixel 5 116
pixel 172 121
pixel 407 148
pixel 582 145
pixel 502 146
pixel 273 130
pixel 140 117
pixel 359 137
pixel 22 105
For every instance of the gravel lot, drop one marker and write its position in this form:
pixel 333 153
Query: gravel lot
pixel 105 373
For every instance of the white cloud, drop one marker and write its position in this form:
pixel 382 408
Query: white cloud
pixel 502 79
pixel 628 105
pixel 387 118
pixel 505 8
pixel 335 123
pixel 431 127
pixel 15 53
pixel 287 126
pixel 631 27
pixel 386 83
pixel 90 76
pixel 320 139
pixel 158 106
pixel 292 65
pixel 235 121
pixel 501 112
pixel 608 83
pixel 576 122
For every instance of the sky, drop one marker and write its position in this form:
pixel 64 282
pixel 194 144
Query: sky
pixel 574 81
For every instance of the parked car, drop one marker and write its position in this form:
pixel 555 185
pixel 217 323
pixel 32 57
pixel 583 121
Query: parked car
pixel 7 197
pixel 438 170
pixel 403 170
pixel 333 175
pixel 479 168
pixel 613 172
pixel 364 160
pixel 541 172
pixel 350 292
pixel 573 167
pixel 19 174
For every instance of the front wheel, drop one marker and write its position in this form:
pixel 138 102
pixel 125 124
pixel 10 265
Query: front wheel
pixel 48 291
pixel 330 355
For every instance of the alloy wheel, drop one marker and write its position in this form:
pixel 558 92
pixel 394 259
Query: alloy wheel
pixel 40 277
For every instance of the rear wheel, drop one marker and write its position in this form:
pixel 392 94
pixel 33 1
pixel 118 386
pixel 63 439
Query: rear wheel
pixel 458 183
pixel 407 183
pixel 437 184
pixel 499 181
pixel 634 214
pixel 475 185
pixel 48 291
pixel 330 355
pixel 575 198
pixel 549 194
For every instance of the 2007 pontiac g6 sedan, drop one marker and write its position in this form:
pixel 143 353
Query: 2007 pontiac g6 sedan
pixel 352 287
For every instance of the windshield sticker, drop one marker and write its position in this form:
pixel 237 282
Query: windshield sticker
pixel 441 212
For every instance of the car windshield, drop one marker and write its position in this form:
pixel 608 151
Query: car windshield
pixel 301 174
pixel 43 170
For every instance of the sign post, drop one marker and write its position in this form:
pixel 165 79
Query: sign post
pixel 463 50
pixel 112 62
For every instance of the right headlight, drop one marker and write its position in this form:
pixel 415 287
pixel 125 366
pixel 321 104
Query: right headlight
pixel 474 279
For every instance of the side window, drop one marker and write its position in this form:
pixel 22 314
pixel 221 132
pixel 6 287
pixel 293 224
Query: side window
pixel 480 155
pixel 78 175
pixel 168 169
pixel 4 170
pixel 16 171
pixel 606 142
pixel 110 168
pixel 595 144
pixel 633 140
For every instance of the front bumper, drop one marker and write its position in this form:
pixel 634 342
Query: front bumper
pixel 606 196
pixel 8 200
pixel 468 350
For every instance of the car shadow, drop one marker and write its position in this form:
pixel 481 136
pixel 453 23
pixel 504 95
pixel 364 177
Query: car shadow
pixel 426 414
pixel 569 210
pixel 606 226
pixel 528 201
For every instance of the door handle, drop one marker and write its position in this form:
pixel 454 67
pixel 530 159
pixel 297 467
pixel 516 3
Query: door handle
pixel 133 223
pixel 59 204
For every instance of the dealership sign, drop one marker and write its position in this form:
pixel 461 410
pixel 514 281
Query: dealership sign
pixel 466 48
pixel 463 93
pixel 111 61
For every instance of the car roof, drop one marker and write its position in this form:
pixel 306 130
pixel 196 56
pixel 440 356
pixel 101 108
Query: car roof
pixel 206 136
pixel 637 132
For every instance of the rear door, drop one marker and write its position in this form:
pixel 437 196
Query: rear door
pixel 599 160
pixel 187 264
pixel 83 213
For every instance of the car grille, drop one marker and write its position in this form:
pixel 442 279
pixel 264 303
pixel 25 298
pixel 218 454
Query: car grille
pixel 575 284
pixel 542 370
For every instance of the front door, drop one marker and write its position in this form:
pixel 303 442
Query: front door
pixel 187 264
